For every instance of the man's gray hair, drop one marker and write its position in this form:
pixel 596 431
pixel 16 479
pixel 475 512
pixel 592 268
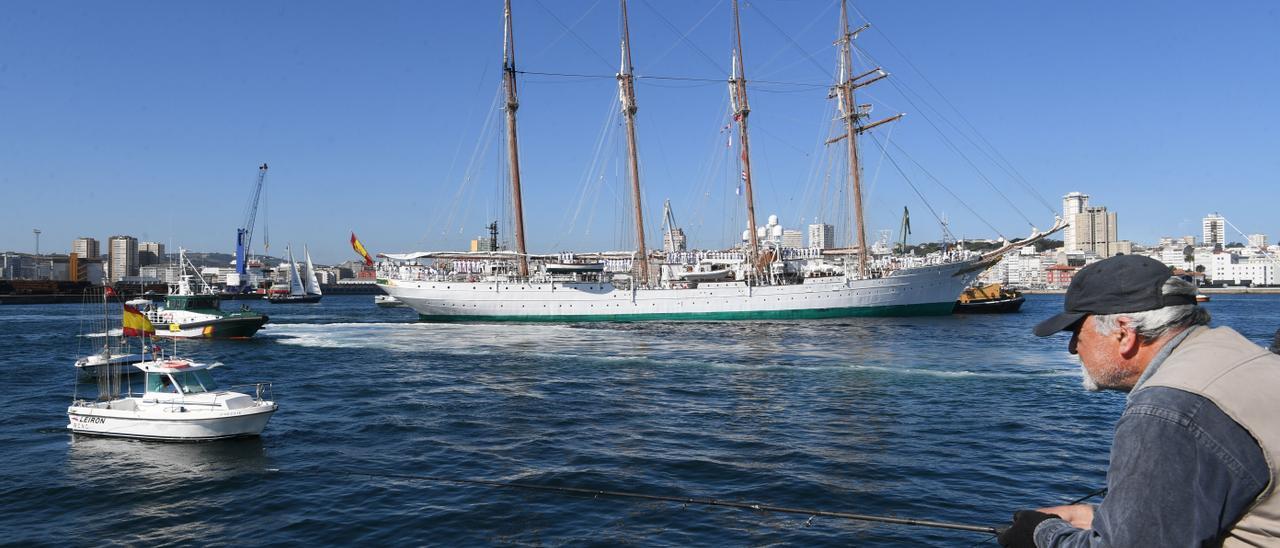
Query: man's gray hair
pixel 1153 324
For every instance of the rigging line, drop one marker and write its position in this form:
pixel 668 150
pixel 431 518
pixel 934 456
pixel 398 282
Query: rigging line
pixel 958 112
pixel 677 78
pixel 685 36
pixel 568 29
pixel 1001 164
pixel 699 501
pixel 822 16
pixel 910 184
pixel 957 150
pixel 584 15
pixel 944 187
pixel 821 69
pixel 597 159
pixel 457 151
pixel 1246 236
pixel 477 158
pixel 685 39
pixel 871 188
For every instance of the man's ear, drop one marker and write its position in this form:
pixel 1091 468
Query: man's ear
pixel 1127 338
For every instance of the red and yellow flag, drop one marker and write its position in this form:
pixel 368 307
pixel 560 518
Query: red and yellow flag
pixel 355 244
pixel 135 324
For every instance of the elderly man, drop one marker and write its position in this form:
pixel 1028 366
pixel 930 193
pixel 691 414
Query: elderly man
pixel 1194 460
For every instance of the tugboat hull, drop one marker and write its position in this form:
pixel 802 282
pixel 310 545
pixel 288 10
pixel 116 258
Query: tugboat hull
pixel 997 306
pixel 229 327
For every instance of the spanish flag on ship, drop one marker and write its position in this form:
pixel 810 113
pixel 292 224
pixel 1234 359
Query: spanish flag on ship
pixel 356 245
pixel 135 324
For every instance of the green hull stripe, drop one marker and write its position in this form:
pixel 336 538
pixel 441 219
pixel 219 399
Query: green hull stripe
pixel 931 309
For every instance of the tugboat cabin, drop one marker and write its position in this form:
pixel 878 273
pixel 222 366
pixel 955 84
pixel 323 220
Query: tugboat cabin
pixel 209 304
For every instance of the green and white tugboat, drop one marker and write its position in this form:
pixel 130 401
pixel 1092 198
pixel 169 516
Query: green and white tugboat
pixel 189 314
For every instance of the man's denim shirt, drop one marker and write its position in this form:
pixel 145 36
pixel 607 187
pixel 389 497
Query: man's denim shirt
pixel 1182 473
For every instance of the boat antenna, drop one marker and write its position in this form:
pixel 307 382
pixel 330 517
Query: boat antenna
pixel 738 95
pixel 513 149
pixel 627 93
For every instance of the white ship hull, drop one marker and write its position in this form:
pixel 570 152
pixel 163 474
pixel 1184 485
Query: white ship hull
pixel 929 290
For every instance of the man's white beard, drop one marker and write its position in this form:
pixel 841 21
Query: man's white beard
pixel 1088 381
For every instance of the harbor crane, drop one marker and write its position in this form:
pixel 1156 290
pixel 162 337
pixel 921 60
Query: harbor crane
pixel 244 234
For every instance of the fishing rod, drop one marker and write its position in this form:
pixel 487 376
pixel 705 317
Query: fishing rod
pixel 677 499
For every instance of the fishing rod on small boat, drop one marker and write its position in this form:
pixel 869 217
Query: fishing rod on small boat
pixel 686 500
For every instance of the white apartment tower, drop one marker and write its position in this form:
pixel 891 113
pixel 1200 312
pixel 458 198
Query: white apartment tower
pixel 793 239
pixel 123 256
pixel 822 236
pixel 86 248
pixel 1072 204
pixel 1214 230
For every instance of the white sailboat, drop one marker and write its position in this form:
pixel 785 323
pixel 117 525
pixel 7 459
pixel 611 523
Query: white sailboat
pixel 759 281
pixel 299 292
pixel 108 356
pixel 312 284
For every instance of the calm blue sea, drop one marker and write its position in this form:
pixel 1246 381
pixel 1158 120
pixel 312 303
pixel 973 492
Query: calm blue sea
pixel 960 419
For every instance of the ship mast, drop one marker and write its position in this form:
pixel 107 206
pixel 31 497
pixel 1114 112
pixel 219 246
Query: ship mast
pixel 738 95
pixel 513 151
pixel 627 93
pixel 852 115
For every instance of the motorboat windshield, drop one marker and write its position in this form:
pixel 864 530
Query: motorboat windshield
pixel 187 382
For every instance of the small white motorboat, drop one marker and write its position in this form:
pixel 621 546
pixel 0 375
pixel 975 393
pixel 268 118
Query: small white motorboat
pixel 180 402
pixel 386 301
pixel 90 365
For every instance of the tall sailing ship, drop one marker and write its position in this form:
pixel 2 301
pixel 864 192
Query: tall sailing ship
pixel 763 280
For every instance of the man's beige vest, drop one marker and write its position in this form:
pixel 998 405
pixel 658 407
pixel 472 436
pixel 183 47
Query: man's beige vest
pixel 1242 379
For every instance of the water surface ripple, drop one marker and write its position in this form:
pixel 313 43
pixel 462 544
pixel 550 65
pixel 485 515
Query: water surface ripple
pixel 959 419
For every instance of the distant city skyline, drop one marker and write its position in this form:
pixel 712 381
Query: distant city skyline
pixel 150 119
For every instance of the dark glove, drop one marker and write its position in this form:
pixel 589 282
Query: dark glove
pixel 1021 534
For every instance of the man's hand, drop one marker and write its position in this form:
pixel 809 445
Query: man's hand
pixel 1022 533
pixel 1079 516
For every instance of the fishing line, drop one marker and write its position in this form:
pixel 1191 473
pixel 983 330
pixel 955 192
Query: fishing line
pixel 685 500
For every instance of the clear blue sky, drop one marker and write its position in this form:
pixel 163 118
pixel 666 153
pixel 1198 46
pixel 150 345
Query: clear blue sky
pixel 150 118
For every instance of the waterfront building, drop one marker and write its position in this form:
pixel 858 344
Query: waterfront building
pixel 1258 241
pixel 123 257
pixel 85 248
pixel 1059 276
pixel 1214 230
pixel 793 239
pixel 168 274
pixel 822 236
pixel 673 240
pixel 1233 269
pixel 1073 204
pixel 1094 230
pixel 150 253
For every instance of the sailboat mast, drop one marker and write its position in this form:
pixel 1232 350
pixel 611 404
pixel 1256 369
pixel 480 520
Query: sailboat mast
pixel 627 92
pixel 738 93
pixel 513 151
pixel 851 127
